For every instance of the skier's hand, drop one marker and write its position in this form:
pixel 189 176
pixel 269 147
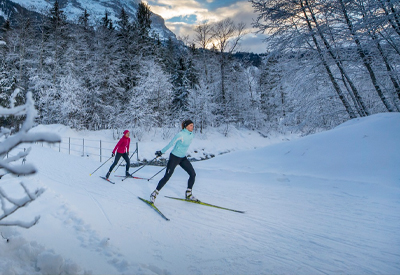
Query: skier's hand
pixel 112 154
pixel 158 154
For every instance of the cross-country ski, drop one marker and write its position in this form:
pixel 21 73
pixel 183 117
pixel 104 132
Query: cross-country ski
pixel 131 177
pixel 104 178
pixel 206 204
pixel 154 207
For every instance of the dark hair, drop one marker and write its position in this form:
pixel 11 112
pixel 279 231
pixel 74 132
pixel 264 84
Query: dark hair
pixel 185 123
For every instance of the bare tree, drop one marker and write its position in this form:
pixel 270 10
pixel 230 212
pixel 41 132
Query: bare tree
pixel 364 57
pixel 226 37
pixel 9 142
pixel 203 35
pixel 358 101
pixel 368 11
pixel 340 93
pixel 203 38
pixel 392 14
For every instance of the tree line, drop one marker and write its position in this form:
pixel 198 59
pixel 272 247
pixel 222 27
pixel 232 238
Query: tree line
pixel 351 47
pixel 326 61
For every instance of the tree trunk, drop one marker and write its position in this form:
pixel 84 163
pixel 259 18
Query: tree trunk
pixel 336 86
pixel 365 60
pixel 394 23
pixel 364 111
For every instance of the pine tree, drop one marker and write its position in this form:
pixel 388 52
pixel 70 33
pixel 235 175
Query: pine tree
pixel 143 21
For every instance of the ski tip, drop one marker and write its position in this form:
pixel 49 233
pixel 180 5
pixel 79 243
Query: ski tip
pixel 142 199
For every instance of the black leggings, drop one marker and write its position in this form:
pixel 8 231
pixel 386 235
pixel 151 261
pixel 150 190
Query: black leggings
pixel 172 163
pixel 117 157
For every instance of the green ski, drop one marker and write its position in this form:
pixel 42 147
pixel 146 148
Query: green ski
pixel 206 204
pixel 154 207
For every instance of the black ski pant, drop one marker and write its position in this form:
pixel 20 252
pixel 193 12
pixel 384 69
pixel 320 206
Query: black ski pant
pixel 117 157
pixel 171 165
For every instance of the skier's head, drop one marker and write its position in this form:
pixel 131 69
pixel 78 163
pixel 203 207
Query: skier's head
pixel 186 123
pixel 126 132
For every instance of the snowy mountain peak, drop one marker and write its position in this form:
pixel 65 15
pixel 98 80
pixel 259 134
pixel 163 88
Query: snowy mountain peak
pixel 96 8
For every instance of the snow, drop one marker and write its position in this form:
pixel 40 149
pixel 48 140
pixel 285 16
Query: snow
pixel 327 203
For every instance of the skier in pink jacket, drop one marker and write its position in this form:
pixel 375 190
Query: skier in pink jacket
pixel 122 149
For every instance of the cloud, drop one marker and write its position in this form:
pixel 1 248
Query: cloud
pixel 175 8
pixel 182 16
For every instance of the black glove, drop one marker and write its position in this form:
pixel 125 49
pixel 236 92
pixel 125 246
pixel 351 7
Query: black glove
pixel 112 154
pixel 158 154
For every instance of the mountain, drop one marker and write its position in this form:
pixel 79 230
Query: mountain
pixel 74 8
pixel 10 11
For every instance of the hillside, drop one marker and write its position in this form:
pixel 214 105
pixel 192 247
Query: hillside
pixel 327 203
pixel 75 8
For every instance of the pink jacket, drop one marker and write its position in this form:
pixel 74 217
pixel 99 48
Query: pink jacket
pixel 122 145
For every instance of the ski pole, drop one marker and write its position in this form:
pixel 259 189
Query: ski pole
pixel 100 166
pixel 157 173
pixel 142 167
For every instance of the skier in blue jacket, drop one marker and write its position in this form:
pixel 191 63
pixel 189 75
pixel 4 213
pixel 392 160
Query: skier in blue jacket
pixel 181 143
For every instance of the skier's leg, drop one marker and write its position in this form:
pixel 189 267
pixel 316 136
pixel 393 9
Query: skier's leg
pixel 171 165
pixel 127 160
pixel 187 166
pixel 117 157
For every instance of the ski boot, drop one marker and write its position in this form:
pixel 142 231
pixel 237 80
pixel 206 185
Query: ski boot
pixel 153 196
pixel 108 174
pixel 189 196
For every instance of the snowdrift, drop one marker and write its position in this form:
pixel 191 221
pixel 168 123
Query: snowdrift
pixel 363 149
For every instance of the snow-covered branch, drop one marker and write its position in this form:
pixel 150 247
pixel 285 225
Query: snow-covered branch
pixel 17 204
pixel 23 136
pixel 9 142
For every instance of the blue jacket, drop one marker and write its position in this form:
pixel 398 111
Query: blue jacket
pixel 181 141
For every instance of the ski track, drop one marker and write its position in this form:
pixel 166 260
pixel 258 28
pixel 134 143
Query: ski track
pixel 89 238
pixel 99 206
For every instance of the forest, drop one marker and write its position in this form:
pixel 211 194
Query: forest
pixel 326 61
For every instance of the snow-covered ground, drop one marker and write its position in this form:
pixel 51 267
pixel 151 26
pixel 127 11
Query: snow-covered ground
pixel 327 203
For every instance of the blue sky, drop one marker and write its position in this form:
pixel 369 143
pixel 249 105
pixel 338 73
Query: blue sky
pixel 182 16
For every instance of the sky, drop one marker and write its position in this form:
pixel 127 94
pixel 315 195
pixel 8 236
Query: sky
pixel 182 16
pixel 326 203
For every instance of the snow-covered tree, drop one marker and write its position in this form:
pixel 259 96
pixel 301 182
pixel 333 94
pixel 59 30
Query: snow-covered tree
pixel 150 101
pixel 226 36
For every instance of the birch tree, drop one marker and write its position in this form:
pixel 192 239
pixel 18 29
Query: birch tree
pixel 363 55
pixel 226 36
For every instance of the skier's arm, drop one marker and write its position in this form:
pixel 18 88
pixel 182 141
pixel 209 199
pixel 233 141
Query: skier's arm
pixel 116 146
pixel 178 137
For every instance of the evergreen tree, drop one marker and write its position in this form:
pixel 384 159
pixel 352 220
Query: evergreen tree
pixel 143 21
pixel 104 84
pixel 51 61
